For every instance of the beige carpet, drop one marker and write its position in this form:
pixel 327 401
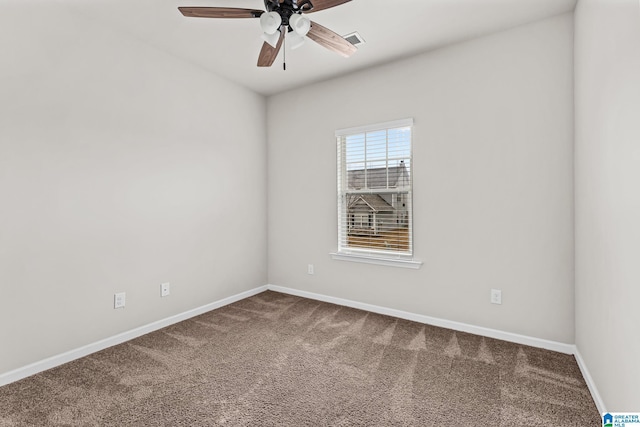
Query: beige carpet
pixel 280 360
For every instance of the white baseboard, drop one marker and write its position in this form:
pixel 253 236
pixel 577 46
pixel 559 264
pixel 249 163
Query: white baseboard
pixel 590 383
pixel 457 326
pixel 86 350
pixel 463 327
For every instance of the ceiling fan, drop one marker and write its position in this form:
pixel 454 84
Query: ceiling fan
pixel 280 17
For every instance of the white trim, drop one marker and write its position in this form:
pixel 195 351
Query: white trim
pixel 590 383
pixel 443 323
pixel 402 123
pixel 88 349
pixel 367 259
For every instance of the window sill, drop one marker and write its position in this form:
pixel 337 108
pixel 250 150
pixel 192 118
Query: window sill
pixel 368 259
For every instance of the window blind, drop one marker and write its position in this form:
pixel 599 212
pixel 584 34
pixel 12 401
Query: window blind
pixel 375 190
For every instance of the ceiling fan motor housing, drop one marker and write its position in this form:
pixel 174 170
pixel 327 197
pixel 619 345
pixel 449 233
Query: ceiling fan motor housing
pixel 287 8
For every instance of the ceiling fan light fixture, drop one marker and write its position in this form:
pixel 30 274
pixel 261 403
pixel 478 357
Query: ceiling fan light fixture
pixel 300 24
pixel 282 18
pixel 294 40
pixel 270 22
pixel 272 39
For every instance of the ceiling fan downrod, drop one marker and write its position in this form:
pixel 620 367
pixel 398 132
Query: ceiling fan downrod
pixel 286 8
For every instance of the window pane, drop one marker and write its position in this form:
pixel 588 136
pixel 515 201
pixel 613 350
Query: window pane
pixel 356 178
pixel 400 144
pixel 355 148
pixel 372 216
pixel 375 223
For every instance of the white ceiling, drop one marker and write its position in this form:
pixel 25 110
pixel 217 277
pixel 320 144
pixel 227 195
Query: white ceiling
pixel 392 29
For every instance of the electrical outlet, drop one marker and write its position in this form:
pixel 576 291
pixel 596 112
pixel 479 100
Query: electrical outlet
pixel 165 289
pixel 119 300
pixel 496 296
pixel 310 269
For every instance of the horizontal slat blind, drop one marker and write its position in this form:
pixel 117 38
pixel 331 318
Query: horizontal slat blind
pixel 374 190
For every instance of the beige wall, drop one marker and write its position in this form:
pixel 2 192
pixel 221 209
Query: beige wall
pixel 493 181
pixel 120 168
pixel 607 163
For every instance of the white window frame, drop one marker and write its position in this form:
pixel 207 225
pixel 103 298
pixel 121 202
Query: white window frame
pixel 369 255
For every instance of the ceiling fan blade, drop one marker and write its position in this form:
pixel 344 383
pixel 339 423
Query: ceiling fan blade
pixel 319 5
pixel 332 41
pixel 269 53
pixel 220 12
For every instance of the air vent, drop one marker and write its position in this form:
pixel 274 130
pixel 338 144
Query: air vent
pixel 354 38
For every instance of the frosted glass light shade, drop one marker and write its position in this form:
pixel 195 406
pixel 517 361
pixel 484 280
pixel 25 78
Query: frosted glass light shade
pixel 294 40
pixel 300 24
pixel 270 22
pixel 272 39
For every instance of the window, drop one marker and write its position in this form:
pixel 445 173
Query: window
pixel 375 193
